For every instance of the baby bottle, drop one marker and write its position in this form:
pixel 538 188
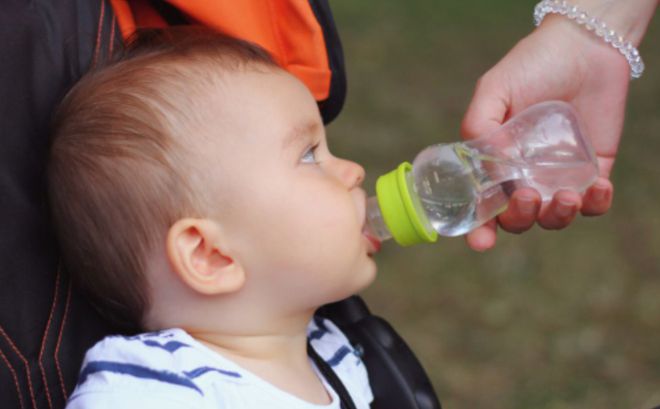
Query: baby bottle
pixel 450 189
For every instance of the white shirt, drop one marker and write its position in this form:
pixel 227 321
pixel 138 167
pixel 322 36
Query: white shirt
pixel 171 370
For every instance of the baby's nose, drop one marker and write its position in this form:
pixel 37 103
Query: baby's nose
pixel 350 173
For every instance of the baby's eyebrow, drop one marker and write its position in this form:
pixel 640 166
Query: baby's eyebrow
pixel 301 131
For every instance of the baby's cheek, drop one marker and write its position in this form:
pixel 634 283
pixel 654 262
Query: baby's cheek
pixel 340 210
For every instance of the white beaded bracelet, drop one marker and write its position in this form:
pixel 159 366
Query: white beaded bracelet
pixel 592 24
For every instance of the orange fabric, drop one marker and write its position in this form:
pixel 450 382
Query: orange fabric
pixel 286 28
pixel 145 14
pixel 124 16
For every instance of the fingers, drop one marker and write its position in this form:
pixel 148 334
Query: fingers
pixel 483 237
pixel 566 204
pixel 598 198
pixel 561 211
pixel 523 209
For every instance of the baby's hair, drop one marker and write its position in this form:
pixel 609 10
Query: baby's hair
pixel 118 171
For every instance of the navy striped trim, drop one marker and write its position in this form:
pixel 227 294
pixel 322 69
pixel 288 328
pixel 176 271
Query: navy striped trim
pixel 320 331
pixel 170 346
pixel 316 334
pixel 163 333
pixel 320 323
pixel 197 372
pixel 136 371
pixel 339 355
pixel 143 372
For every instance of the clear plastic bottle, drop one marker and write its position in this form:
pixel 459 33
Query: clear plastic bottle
pixel 451 189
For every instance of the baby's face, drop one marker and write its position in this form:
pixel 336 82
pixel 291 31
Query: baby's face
pixel 292 212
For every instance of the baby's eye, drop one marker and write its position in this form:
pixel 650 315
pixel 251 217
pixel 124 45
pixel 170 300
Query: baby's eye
pixel 309 156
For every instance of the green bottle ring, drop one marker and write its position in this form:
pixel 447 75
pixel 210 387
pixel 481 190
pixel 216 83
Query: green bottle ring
pixel 402 214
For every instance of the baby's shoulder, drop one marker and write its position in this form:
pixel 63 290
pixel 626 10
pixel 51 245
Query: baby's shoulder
pixel 329 341
pixel 342 356
pixel 158 366
pixel 159 347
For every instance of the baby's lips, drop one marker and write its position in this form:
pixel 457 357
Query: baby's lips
pixel 374 243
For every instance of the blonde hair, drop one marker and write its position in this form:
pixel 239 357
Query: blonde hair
pixel 119 173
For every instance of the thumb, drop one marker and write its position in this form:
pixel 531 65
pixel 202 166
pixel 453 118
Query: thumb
pixel 488 109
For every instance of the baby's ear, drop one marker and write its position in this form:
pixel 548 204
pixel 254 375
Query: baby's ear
pixel 196 255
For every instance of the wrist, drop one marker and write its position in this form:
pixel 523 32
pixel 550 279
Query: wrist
pixel 630 18
pixel 599 27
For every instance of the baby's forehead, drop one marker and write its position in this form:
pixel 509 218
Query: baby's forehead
pixel 258 105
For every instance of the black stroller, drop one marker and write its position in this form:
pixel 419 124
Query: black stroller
pixel 45 327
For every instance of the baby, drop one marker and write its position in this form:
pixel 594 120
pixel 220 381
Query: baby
pixel 195 198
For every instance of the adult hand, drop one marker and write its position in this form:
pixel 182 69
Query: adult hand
pixel 558 61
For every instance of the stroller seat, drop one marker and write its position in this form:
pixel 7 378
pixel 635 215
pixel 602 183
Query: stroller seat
pixel 45 326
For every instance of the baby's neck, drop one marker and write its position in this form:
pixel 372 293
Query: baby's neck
pixel 278 356
pixel 265 347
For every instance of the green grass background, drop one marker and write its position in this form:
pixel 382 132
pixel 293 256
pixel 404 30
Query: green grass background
pixel 548 320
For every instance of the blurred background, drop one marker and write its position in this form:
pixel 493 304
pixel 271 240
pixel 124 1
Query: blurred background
pixel 550 320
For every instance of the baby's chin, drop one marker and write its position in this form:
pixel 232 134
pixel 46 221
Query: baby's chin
pixel 367 275
pixel 357 281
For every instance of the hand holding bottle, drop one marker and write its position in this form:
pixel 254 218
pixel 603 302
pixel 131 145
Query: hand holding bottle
pixel 560 60
pixel 451 189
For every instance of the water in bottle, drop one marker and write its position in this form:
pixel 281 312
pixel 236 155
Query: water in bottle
pixel 451 189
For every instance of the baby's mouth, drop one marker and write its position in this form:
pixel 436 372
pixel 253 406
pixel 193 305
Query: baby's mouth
pixel 373 244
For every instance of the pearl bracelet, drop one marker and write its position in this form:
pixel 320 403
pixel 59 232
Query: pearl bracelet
pixel 592 24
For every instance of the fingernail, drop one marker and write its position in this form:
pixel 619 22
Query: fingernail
pixel 526 206
pixel 564 209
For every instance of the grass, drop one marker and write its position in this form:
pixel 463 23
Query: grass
pixel 550 320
